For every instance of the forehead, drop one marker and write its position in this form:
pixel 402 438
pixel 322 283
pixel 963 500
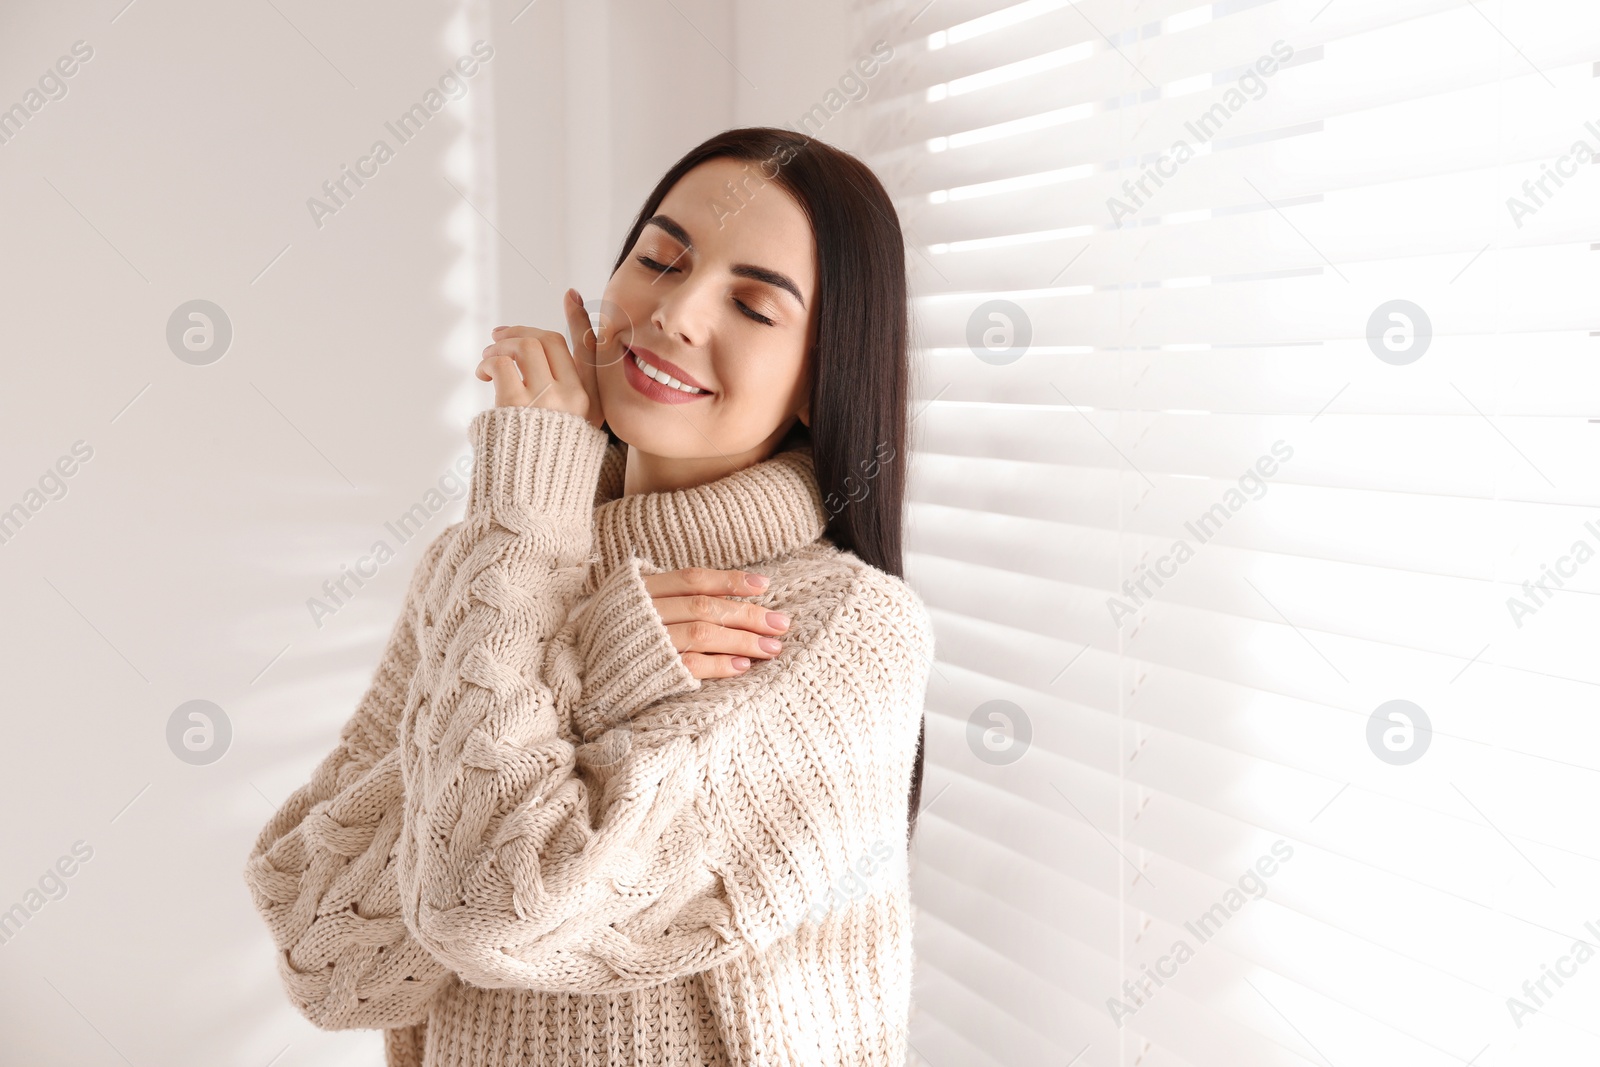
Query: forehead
pixel 734 213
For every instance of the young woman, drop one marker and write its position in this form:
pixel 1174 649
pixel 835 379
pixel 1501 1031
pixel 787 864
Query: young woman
pixel 636 776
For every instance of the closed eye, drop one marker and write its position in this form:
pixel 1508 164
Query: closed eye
pixel 650 264
pixel 657 267
pixel 754 315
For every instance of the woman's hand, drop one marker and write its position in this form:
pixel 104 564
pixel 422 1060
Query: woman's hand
pixel 535 368
pixel 716 637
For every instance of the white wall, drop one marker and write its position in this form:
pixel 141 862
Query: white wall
pixel 218 498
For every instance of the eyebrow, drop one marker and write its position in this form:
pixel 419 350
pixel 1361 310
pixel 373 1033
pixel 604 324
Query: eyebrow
pixel 742 270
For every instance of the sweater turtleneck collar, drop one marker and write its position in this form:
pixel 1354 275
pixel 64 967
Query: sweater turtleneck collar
pixel 756 513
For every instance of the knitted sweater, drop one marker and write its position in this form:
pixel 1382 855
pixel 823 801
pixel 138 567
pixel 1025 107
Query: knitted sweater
pixel 541 840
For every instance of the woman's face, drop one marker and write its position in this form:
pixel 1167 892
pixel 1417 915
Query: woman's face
pixel 721 285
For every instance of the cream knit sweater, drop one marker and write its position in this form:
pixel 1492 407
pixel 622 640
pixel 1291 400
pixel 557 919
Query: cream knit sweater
pixel 541 840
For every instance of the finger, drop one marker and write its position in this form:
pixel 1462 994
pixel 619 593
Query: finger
pixel 688 580
pixel 737 614
pixel 586 350
pixel 547 343
pixel 509 388
pixel 702 636
pixel 704 666
pixel 529 356
pixel 584 340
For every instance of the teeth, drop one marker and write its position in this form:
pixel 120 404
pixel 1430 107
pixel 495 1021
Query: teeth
pixel 663 377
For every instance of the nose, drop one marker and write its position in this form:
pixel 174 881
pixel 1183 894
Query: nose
pixel 684 312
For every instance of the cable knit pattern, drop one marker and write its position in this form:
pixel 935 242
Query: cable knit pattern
pixel 321 873
pixel 550 844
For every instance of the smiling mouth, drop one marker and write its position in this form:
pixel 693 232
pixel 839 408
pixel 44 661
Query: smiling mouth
pixel 661 377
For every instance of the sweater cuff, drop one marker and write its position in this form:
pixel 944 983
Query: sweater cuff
pixel 534 462
pixel 629 661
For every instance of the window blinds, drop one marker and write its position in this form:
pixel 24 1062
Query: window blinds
pixel 1256 501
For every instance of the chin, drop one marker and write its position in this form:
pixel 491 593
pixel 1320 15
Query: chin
pixel 657 432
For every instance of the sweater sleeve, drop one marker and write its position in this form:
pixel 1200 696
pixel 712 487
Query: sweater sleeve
pixel 321 871
pixel 626 656
pixel 809 786
pixel 643 847
pixel 511 863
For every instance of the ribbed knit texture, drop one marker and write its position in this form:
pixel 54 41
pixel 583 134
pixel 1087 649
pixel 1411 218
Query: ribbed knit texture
pixel 542 841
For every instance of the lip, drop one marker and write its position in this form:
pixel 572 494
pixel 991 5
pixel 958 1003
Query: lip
pixel 654 389
pixel 668 366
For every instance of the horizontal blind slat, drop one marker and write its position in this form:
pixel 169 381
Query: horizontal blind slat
pixel 1173 342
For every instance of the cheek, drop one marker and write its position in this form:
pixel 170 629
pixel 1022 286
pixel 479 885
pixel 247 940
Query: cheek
pixel 763 382
pixel 621 306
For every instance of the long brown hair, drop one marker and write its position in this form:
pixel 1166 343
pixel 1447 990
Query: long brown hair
pixel 860 364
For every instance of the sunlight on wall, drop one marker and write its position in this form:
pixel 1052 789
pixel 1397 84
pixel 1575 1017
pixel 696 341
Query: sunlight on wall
pixel 472 282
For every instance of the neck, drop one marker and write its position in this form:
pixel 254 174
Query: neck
pixel 647 472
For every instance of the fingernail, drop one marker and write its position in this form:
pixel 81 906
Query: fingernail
pixel 777 620
pixel 756 581
pixel 771 644
pixel 740 662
